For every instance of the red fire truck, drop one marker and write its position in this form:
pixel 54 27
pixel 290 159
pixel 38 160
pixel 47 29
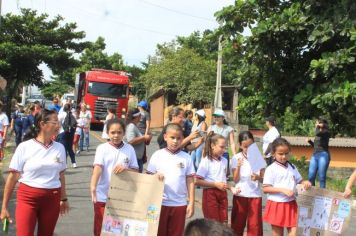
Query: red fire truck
pixel 101 89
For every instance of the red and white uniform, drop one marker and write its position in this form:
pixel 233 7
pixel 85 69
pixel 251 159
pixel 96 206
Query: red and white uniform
pixel 281 210
pixel 247 205
pixel 281 176
pixel 38 164
pixel 248 187
pixel 39 192
pixel 214 202
pixel 175 167
pixel 108 156
pixel 213 170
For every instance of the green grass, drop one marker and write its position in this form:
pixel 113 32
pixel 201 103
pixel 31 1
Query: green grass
pixel 331 184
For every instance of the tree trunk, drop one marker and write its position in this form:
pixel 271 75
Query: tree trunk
pixel 10 93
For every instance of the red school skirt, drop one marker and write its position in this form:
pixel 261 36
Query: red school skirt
pixel 282 214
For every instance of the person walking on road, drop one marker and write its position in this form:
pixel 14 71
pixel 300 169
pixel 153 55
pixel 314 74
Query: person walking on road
pixel 247 202
pixel 320 160
pixel 211 175
pixel 17 119
pixel 135 137
pixel 66 134
pixel 55 106
pixel 280 181
pixel 221 127
pixel 38 165
pixel 144 124
pixel 200 126
pixel 176 116
pixel 4 124
pixel 112 157
pixel 109 116
pixel 84 137
pixel 268 138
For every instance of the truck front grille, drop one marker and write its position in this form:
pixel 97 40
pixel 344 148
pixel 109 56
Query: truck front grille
pixel 101 107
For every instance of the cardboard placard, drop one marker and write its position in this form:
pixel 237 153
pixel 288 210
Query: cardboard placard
pixel 322 212
pixel 133 206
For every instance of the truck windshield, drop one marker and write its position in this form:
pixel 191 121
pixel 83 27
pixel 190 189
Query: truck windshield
pixel 107 90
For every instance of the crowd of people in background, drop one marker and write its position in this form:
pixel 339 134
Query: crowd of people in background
pixel 200 152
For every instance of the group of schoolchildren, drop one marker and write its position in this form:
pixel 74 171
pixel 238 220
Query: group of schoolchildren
pixel 176 168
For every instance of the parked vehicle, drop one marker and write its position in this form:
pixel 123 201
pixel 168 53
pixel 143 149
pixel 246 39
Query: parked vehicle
pixel 36 97
pixel 65 97
pixel 100 89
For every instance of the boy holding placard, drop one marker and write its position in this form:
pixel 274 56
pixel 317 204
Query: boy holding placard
pixel 176 168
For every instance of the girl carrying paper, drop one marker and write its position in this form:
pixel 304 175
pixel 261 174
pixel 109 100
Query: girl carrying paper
pixel 247 201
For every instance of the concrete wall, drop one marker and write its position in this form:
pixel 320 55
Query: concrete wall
pixel 340 157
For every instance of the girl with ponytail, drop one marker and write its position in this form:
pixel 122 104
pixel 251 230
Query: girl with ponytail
pixel 211 175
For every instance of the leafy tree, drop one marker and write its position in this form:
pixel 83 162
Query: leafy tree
pixel 206 45
pixel 94 57
pixel 29 39
pixel 182 71
pixel 301 55
pixel 138 85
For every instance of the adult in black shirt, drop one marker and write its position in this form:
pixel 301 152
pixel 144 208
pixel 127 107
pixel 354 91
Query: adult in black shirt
pixel 320 160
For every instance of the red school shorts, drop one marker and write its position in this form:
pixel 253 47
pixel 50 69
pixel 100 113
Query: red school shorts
pixel 172 220
pixel 214 204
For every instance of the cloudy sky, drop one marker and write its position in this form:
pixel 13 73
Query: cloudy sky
pixel 131 27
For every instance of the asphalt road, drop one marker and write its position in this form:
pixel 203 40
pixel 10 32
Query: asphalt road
pixel 79 221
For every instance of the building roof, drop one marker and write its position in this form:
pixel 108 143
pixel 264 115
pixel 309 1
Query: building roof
pixel 334 142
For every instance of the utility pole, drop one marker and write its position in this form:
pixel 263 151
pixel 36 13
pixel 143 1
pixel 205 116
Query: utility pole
pixel 218 96
pixel 0 12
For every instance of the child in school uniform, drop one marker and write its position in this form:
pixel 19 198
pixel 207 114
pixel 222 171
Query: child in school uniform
pixel 115 157
pixel 280 180
pixel 176 168
pixel 247 203
pixel 211 175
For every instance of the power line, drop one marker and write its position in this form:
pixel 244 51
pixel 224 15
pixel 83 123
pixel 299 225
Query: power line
pixel 177 12
pixel 115 20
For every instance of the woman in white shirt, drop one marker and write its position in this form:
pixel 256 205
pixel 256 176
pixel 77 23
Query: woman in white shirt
pixel 85 114
pixel 38 165
pixel 268 138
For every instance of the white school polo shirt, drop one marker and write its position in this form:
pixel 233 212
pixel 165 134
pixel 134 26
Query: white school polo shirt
pixel 212 170
pixel 175 167
pixel 4 121
pixel 248 187
pixel 39 165
pixel 108 156
pixel 279 176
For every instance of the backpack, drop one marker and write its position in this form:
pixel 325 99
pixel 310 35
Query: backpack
pixel 69 122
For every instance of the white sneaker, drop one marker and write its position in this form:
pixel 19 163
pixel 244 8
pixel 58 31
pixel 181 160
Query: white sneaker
pixel 74 165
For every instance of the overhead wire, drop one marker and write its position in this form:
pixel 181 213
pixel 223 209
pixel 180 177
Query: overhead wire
pixel 176 11
pixel 115 20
